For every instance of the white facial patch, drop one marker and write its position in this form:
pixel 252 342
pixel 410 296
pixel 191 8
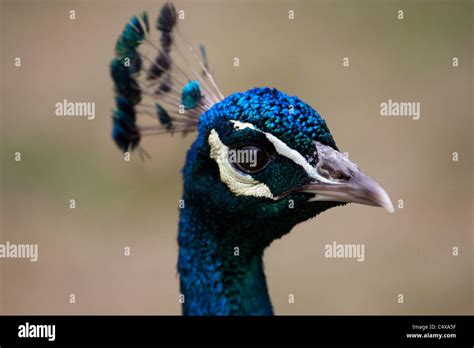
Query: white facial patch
pixel 296 157
pixel 243 184
pixel 237 182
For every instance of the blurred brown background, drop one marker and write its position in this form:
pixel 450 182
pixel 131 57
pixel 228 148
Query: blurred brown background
pixel 135 204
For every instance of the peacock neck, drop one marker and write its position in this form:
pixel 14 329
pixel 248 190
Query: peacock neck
pixel 216 276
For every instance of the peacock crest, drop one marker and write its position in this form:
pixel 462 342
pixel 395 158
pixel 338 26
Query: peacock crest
pixel 151 86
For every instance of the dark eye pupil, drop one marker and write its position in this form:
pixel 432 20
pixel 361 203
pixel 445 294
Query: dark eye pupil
pixel 248 158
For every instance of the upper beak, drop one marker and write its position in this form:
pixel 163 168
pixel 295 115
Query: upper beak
pixel 335 178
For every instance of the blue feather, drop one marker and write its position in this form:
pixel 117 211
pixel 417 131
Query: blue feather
pixel 191 95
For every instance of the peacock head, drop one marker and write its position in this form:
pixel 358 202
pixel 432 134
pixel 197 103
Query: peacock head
pixel 264 161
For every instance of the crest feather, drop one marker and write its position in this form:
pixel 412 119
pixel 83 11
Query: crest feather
pixel 174 94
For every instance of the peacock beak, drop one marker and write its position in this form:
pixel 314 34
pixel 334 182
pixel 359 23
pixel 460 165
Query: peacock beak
pixel 335 178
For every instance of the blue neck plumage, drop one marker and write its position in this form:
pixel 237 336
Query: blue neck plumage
pixel 216 278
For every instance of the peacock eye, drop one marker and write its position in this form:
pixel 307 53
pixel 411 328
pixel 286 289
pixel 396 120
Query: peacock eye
pixel 249 159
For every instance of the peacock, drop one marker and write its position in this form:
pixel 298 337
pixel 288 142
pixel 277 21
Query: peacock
pixel 262 162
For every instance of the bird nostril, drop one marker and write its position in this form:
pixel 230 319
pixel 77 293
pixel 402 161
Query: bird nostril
pixel 333 173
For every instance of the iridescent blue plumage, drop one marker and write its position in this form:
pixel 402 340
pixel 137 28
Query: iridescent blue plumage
pixel 191 95
pixel 124 131
pixel 126 46
pixel 287 117
pixel 123 68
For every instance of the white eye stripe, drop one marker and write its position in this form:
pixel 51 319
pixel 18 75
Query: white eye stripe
pixel 284 150
pixel 242 125
pixel 296 157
